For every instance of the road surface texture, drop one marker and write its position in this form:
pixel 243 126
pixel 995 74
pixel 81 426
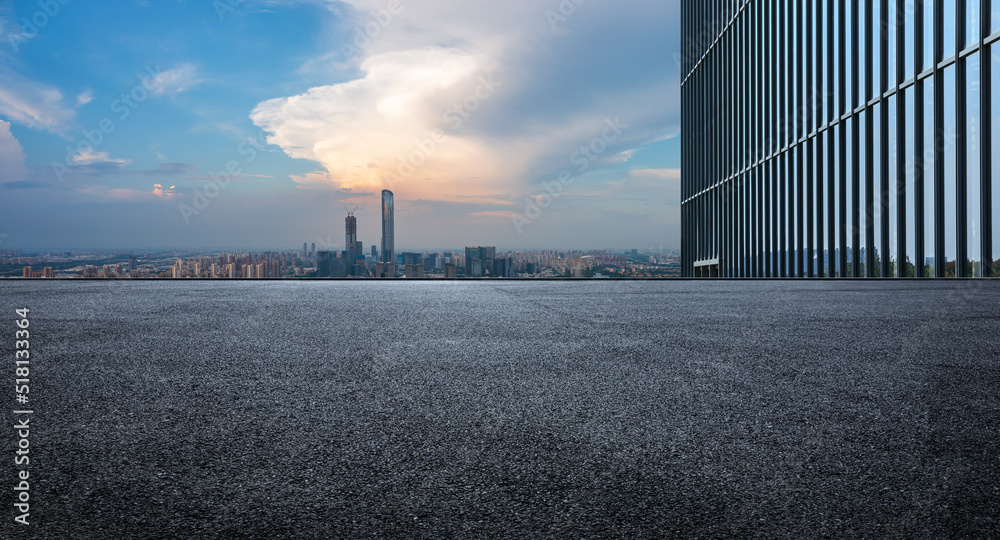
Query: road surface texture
pixel 513 409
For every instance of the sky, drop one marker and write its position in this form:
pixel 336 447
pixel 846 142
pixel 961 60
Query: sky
pixel 525 124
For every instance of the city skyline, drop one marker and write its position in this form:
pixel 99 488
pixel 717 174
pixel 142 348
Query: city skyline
pixel 245 123
pixel 470 262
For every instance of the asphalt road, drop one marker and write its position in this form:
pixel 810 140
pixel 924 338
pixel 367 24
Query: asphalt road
pixel 508 409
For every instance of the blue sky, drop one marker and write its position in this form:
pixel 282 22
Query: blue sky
pixel 119 120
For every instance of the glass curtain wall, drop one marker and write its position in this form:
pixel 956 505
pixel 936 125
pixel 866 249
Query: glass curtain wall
pixel 827 138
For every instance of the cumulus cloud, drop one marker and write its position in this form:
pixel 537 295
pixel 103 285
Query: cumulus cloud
pixel 395 125
pixel 12 167
pixel 555 89
pixel 165 193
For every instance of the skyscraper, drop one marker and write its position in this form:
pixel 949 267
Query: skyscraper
pixel 352 251
pixel 388 259
pixel 830 138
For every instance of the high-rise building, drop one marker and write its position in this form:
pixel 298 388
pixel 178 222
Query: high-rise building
pixel 479 261
pixel 840 139
pixel 449 271
pixel 414 270
pixel 323 264
pixel 413 258
pixel 388 259
pixel 352 250
pixel 503 267
pixel 338 267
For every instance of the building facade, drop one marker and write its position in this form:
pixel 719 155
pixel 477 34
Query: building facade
pixel 354 258
pixel 387 262
pixel 479 261
pixel 324 264
pixel 829 138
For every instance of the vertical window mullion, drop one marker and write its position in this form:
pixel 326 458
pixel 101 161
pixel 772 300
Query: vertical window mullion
pixel 939 138
pixel 986 140
pixel 961 142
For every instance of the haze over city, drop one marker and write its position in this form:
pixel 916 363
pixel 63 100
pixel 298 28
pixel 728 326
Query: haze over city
pixel 134 124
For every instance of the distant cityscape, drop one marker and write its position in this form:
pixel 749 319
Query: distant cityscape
pixel 473 262
pixel 350 263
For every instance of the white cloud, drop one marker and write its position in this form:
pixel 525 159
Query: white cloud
pixel 557 89
pixel 84 98
pixel 12 167
pixel 89 157
pixel 32 104
pixel 174 81
pixel 391 126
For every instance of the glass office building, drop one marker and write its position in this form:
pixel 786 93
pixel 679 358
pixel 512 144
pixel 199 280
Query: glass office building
pixel 388 258
pixel 835 138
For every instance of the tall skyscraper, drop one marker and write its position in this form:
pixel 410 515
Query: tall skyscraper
pixel 351 236
pixel 388 259
pixel 352 251
pixel 840 139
